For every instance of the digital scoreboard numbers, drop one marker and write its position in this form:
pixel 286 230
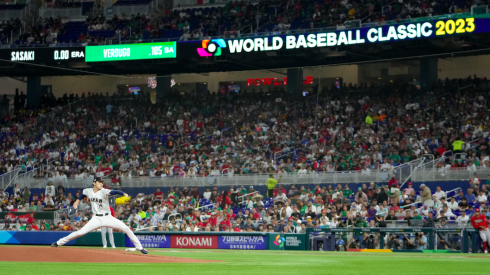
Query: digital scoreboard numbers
pixel 67 54
pixel 131 52
pixel 47 55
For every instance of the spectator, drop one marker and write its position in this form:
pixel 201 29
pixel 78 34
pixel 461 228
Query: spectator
pixel 426 195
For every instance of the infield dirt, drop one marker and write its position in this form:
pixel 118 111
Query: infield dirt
pixel 82 255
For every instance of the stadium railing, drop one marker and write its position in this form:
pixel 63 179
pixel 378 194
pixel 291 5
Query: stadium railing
pixel 418 170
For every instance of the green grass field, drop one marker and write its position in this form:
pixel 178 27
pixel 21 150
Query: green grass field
pixel 273 262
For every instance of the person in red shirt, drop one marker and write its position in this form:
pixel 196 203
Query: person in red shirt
pixel 225 222
pixel 256 214
pixel 392 181
pixel 225 167
pixel 34 226
pixel 31 219
pixel 225 199
pixel 158 195
pixel 480 222
pixel 212 221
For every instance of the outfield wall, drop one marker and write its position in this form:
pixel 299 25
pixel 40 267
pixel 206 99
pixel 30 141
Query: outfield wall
pixel 49 237
pixel 470 239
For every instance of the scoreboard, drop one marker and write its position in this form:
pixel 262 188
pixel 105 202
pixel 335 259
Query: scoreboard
pixel 44 55
pixel 418 28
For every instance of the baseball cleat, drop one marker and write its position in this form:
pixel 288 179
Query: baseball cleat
pixel 55 244
pixel 105 246
pixel 144 251
pixel 486 251
pixel 113 247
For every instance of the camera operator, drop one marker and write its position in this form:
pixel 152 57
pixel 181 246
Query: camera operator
pixel 420 241
pixel 407 242
pixel 393 243
pixel 370 241
pixel 444 238
pixel 353 244
pixel 360 223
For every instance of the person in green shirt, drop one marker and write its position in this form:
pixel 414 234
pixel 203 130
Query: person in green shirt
pixel 369 120
pixel 395 157
pixel 416 216
pixel 33 207
pixel 243 191
pixel 271 183
pixel 487 183
pixel 98 157
pixel 406 157
pixel 142 213
pixel 457 146
pixel 22 226
pixel 346 191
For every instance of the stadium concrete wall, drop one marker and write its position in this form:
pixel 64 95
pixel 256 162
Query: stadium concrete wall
pixel 10 84
pixel 462 67
pixel 108 84
pixel 89 83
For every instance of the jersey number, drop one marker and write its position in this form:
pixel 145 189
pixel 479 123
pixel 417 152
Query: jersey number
pixel 100 205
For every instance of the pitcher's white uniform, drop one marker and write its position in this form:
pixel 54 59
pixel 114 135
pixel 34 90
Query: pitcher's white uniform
pixel 102 218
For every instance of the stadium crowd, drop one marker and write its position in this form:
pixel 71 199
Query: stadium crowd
pixel 233 19
pixel 212 134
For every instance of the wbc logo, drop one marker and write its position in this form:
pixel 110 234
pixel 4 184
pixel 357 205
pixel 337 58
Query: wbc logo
pixel 211 47
pixel 152 82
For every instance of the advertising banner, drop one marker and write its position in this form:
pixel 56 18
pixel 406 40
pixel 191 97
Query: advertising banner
pixel 153 241
pixel 24 216
pixel 187 241
pixel 276 241
pixel 242 242
pixel 48 237
pixel 295 241
pixel 369 33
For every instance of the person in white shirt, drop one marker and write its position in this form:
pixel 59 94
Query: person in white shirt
pixel 471 167
pixel 207 194
pixel 302 172
pixel 386 167
pixel 192 228
pixel 447 212
pixel 48 199
pixel 280 196
pixel 439 193
pixel 453 204
pixel 159 215
pixel 134 217
pixel 50 190
pixel 365 171
pixel 463 219
pixel 482 198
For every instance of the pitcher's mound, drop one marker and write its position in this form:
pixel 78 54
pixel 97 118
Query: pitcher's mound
pixel 82 255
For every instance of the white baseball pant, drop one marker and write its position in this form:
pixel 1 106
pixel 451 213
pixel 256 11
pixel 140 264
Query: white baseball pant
pixel 105 230
pixel 104 221
pixel 485 235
